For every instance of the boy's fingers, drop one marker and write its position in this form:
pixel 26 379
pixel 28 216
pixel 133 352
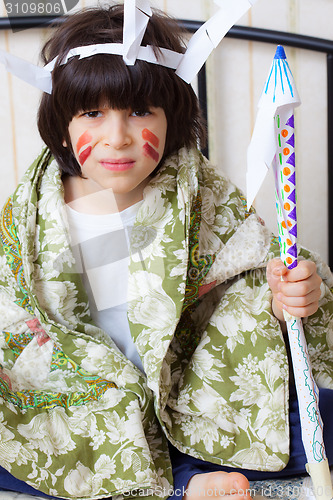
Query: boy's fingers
pixel 301 300
pixel 302 271
pixel 298 292
pixel 276 267
pixel 303 312
pixel 300 288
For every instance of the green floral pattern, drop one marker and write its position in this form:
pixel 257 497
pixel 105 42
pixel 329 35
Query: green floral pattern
pixel 80 421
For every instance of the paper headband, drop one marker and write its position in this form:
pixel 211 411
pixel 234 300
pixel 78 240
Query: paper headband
pixel 136 17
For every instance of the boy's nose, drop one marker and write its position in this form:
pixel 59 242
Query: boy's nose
pixel 116 132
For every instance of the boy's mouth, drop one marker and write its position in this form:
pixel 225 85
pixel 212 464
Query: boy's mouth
pixel 117 164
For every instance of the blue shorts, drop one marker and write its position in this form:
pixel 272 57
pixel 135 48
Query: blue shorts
pixel 184 466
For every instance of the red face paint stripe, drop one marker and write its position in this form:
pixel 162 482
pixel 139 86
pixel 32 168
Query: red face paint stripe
pixel 83 140
pixel 149 151
pixel 147 135
pixel 84 155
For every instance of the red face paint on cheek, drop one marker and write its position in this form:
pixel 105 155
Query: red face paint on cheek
pixel 84 155
pixel 150 152
pixel 147 135
pixel 83 140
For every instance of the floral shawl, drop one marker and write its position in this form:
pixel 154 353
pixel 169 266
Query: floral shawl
pixel 80 421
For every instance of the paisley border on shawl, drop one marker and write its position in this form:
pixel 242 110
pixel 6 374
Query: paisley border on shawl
pixel 251 210
pixel 12 250
pixel 198 268
pixel 41 399
pixel 17 342
pixel 198 265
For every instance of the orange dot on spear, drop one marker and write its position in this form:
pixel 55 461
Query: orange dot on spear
pixel 289 260
pixel 284 132
pixel 289 223
pixel 283 224
pixel 286 206
pixel 286 151
pixel 286 188
pixel 286 170
pixel 289 242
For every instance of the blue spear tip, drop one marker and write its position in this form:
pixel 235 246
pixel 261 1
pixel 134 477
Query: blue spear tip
pixel 280 53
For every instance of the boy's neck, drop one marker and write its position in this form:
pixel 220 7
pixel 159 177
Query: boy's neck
pixel 98 201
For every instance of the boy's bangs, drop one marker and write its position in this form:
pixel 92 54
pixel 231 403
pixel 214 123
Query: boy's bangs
pixel 106 81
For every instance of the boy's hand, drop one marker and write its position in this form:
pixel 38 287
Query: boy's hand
pixel 298 293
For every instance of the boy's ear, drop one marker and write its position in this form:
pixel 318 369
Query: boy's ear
pixel 64 143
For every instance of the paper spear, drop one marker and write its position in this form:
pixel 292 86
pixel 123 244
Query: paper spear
pixel 273 142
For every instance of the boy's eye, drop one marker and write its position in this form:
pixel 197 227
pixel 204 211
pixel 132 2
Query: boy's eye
pixel 92 114
pixel 140 114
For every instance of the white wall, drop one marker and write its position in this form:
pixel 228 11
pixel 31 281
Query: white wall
pixel 237 71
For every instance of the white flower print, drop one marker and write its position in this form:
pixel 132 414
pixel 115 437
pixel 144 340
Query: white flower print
pixel 23 192
pixel 49 432
pixel 200 429
pixel 181 404
pixel 251 388
pixel 98 438
pixel 219 185
pixel 226 441
pixel 51 204
pixel 59 299
pixel 225 222
pixel 209 242
pixel 275 361
pixel 270 423
pixel 254 299
pixel 215 407
pixel 255 455
pixel 204 363
pixel 143 476
pixel 208 205
pixel 10 315
pixel 165 182
pixel 321 361
pixel 97 358
pixel 9 448
pixel 105 467
pixel 149 305
pixel 133 426
pixel 150 229
pixel 116 427
pixel 230 325
pixel 80 481
pixel 122 485
pixel 178 265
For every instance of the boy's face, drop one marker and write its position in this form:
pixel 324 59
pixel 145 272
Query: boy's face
pixel 117 150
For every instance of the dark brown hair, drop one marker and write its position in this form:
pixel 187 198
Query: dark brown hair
pixel 81 85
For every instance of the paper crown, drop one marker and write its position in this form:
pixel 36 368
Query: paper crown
pixel 136 18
